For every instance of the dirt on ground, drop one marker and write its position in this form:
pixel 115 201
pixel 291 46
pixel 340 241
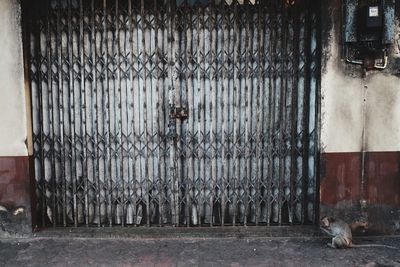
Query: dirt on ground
pixel 307 251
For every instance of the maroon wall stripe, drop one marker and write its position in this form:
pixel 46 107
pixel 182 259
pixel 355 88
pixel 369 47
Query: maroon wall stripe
pixel 382 174
pixel 341 177
pixel 15 181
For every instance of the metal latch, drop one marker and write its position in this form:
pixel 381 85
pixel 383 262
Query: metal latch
pixel 179 112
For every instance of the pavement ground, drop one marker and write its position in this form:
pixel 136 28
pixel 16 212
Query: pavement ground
pixel 231 251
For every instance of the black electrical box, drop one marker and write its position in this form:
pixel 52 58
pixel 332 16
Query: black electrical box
pixel 374 16
pixel 368 31
pixel 370 23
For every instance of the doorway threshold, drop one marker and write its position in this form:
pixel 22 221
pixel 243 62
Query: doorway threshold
pixel 206 232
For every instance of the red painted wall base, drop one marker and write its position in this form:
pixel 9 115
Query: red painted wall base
pixel 343 188
pixel 15 191
pixel 14 181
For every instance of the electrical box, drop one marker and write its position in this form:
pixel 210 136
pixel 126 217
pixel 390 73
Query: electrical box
pixel 372 17
pixel 368 32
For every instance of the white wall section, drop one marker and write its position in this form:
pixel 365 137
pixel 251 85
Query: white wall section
pixel 12 97
pixel 343 116
pixel 383 113
pixel 341 106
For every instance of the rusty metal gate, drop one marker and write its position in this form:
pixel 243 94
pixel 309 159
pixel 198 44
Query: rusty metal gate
pixel 174 112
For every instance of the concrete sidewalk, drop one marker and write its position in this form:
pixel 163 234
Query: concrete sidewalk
pixel 300 251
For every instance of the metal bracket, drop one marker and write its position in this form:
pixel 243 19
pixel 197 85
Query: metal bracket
pixel 381 65
pixel 179 113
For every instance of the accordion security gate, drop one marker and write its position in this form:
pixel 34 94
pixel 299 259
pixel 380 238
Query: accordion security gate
pixel 174 113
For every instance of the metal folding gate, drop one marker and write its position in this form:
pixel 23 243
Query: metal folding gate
pixel 174 112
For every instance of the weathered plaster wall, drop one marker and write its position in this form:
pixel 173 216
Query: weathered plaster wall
pixel 13 131
pixel 14 160
pixel 360 135
pixel 341 107
pixel 382 115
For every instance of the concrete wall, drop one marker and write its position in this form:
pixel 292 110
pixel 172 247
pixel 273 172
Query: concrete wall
pixel 360 135
pixel 14 160
pixel 13 131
